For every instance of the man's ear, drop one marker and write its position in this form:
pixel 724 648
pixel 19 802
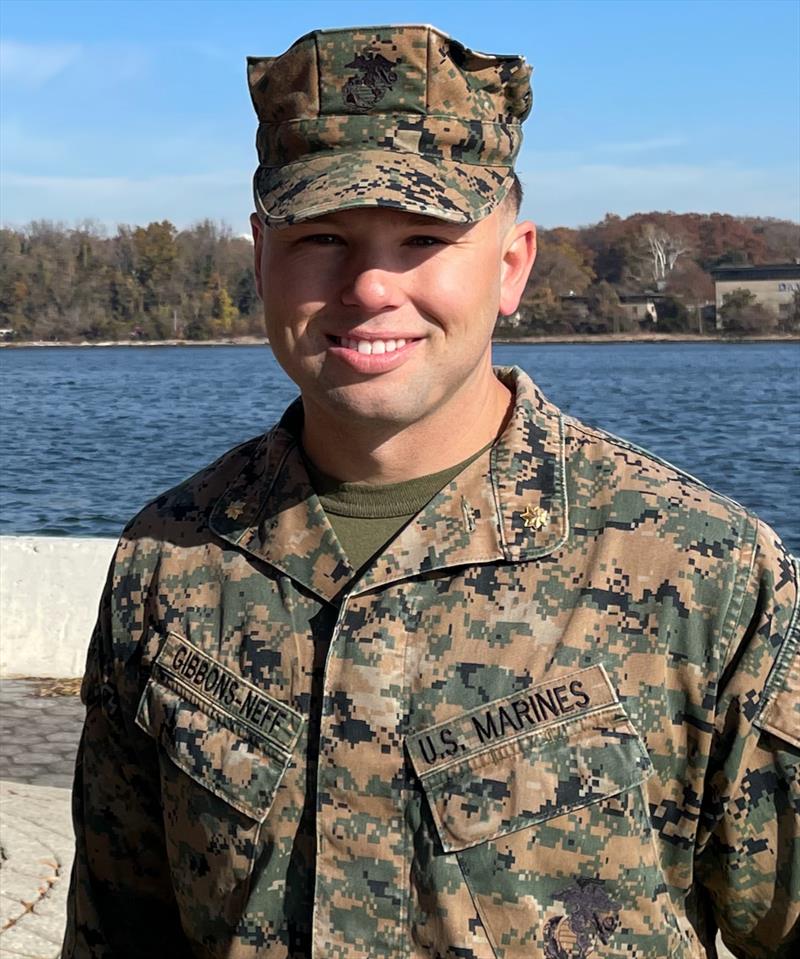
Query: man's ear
pixel 519 253
pixel 258 229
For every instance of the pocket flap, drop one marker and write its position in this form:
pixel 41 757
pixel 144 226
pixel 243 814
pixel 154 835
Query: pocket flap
pixel 513 775
pixel 219 746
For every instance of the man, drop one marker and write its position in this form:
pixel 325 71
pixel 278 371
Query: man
pixel 429 669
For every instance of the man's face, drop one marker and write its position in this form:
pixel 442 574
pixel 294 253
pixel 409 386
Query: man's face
pixel 380 315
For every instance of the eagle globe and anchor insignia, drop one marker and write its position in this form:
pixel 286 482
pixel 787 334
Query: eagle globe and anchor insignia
pixel 370 85
pixel 591 915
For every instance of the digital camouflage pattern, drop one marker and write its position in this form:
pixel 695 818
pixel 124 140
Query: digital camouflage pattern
pixel 577 737
pixel 397 116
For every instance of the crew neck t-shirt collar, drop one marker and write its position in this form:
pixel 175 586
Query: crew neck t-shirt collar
pixel 382 501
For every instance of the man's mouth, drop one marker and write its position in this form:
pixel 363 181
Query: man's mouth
pixel 372 346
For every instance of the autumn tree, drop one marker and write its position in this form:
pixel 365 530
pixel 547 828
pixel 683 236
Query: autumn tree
pixel 562 268
pixel 562 264
pixel 781 238
pixel 727 241
pixel 618 256
pixel 665 249
pixel 692 287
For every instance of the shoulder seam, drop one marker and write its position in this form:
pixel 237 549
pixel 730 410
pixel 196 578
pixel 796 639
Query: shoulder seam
pixel 789 647
pixel 735 607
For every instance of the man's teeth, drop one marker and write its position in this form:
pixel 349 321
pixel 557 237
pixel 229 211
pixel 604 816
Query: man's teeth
pixel 371 346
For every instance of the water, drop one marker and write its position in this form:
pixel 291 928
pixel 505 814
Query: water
pixel 89 435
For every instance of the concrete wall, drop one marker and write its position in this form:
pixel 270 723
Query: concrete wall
pixel 777 295
pixel 49 590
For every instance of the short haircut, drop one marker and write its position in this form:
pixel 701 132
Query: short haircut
pixel 514 195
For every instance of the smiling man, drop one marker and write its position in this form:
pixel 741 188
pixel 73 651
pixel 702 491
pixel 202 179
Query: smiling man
pixel 429 669
pixel 384 320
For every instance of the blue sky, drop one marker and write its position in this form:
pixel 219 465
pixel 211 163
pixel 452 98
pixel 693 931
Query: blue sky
pixel 133 111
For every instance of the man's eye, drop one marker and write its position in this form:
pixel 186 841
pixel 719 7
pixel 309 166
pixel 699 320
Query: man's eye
pixel 424 240
pixel 322 239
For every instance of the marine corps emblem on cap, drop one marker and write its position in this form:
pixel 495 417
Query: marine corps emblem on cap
pixel 375 78
pixel 401 117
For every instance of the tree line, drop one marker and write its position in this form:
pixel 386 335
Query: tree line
pixel 151 282
pixel 581 276
pixel 156 282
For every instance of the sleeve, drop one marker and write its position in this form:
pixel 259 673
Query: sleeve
pixel 748 862
pixel 120 901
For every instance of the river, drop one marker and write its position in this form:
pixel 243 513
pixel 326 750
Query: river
pixel 89 435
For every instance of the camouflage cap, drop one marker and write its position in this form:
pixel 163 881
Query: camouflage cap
pixel 395 116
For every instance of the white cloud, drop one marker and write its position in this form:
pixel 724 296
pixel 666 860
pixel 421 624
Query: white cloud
pixel 575 194
pixel 34 64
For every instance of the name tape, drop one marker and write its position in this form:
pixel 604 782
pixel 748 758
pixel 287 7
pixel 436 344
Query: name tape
pixel 237 697
pixel 542 705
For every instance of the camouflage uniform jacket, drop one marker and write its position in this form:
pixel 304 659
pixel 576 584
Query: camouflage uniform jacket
pixel 556 718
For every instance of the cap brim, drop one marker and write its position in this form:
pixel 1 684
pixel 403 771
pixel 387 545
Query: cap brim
pixel 445 189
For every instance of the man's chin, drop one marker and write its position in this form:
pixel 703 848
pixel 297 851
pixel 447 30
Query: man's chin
pixel 372 405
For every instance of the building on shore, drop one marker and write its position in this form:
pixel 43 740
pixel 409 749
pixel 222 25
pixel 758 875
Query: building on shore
pixel 635 309
pixel 773 285
pixel 641 307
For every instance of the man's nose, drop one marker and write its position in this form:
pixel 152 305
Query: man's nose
pixel 371 287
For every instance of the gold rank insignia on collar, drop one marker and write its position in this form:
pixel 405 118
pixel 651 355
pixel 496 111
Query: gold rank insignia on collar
pixel 534 517
pixel 235 510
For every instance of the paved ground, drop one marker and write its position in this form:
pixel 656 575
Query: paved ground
pixel 36 846
pixel 38 733
pixel 38 739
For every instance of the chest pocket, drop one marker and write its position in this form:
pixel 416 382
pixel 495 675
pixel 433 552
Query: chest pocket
pixel 224 747
pixel 547 817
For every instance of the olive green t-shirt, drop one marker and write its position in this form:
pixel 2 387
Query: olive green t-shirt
pixel 366 517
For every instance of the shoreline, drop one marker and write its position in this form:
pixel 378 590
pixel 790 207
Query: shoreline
pixel 651 338
pixel 564 338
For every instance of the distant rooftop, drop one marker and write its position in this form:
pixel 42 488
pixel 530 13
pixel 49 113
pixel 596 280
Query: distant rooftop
pixel 650 296
pixel 766 271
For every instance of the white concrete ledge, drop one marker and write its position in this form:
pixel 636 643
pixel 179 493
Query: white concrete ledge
pixel 50 587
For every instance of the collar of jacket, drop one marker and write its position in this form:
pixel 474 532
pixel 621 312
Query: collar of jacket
pixel 510 504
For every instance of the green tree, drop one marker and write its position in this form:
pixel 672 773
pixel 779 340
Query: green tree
pixel 673 316
pixel 742 313
pixel 156 253
pixel 245 297
pixel 223 311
